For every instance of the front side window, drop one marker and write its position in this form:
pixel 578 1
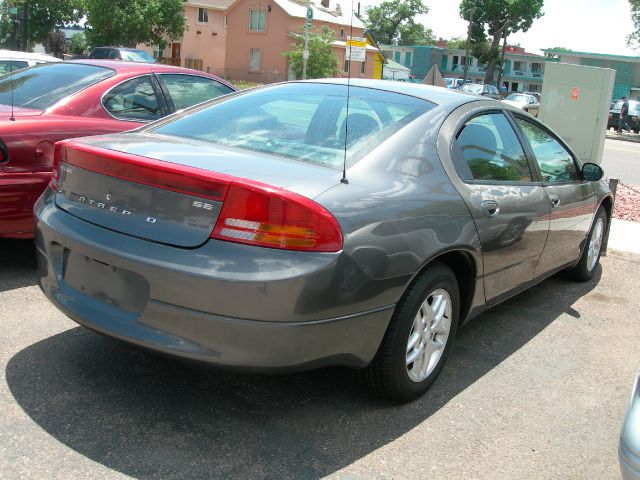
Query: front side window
pixel 42 86
pixel 254 59
pixel 304 122
pixel 555 162
pixel 257 20
pixel 203 15
pixel 134 100
pixel 189 90
pixel 488 150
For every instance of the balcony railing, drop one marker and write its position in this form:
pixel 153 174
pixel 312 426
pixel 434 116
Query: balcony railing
pixel 524 74
pixel 472 69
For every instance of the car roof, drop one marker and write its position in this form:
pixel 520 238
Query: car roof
pixel 437 95
pixel 16 55
pixel 129 49
pixel 127 67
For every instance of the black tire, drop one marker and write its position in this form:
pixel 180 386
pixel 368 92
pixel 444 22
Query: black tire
pixel 584 271
pixel 387 374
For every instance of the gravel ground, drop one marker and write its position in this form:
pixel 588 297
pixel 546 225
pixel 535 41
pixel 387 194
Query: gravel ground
pixel 627 204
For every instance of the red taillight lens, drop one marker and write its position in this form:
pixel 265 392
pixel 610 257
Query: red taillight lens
pixel 58 153
pixel 276 218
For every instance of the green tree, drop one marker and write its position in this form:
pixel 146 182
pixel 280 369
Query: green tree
pixel 457 42
pixel 494 20
pixel 392 22
pixel 633 39
pixel 78 44
pixel 43 17
pixel 322 61
pixel 416 34
pixel 55 44
pixel 130 22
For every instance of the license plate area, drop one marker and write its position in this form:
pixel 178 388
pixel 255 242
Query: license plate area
pixel 113 286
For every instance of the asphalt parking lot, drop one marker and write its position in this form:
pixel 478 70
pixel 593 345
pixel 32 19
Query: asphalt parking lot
pixel 535 388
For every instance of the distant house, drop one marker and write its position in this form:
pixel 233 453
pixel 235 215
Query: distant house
pixel 203 45
pixel 259 31
pixel 246 39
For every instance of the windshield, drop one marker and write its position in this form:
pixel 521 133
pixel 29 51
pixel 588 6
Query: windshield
pixel 136 56
pixel 42 86
pixel 514 97
pixel 475 88
pixel 306 122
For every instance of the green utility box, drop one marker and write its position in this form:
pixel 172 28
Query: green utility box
pixel 575 102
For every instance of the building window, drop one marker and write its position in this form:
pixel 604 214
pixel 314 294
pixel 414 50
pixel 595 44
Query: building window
pixel 224 22
pixel 254 60
pixel 203 15
pixel 346 66
pixel 342 33
pixel 407 59
pixel 257 20
pixel 363 67
pixel 517 65
pixel 397 56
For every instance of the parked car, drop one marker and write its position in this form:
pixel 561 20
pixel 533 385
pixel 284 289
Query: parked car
pixel 525 102
pixel 535 94
pixel 632 117
pixel 11 60
pixel 54 101
pixel 629 448
pixel 121 53
pixel 272 230
pixel 481 89
pixel 453 83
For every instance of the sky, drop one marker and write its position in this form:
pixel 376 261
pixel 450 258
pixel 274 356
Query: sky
pixel 598 26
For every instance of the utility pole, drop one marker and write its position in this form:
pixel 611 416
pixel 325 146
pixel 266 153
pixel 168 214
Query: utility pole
pixel 305 52
pixel 466 58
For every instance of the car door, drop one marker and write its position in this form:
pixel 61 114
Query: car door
pixel 505 198
pixel 185 90
pixel 572 199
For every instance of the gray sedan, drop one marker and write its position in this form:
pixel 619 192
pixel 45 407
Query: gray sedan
pixel 629 450
pixel 528 103
pixel 316 223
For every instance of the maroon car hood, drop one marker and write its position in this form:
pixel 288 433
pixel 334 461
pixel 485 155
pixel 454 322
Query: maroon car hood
pixel 5 112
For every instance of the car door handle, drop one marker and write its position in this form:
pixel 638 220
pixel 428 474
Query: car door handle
pixel 490 208
pixel 554 199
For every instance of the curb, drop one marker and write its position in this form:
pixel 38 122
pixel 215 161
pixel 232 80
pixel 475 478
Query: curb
pixel 623 137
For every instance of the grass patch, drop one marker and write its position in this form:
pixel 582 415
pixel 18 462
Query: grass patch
pixel 243 85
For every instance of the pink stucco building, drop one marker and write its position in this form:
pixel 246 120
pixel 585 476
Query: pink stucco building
pixel 245 39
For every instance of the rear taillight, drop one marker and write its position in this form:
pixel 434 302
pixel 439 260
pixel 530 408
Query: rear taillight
pixel 58 153
pixel 276 218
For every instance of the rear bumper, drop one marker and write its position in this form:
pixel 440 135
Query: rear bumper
pixel 226 304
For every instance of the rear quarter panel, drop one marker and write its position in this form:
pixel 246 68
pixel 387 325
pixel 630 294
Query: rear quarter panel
pixel 398 211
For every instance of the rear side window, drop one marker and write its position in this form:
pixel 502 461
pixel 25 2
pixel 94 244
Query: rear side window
pixel 488 150
pixel 42 86
pixel 555 162
pixel 306 122
pixel 189 90
pixel 134 100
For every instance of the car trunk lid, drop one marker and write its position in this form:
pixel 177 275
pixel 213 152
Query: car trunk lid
pixel 166 190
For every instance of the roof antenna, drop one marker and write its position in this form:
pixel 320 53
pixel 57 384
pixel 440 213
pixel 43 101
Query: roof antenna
pixel 12 119
pixel 346 118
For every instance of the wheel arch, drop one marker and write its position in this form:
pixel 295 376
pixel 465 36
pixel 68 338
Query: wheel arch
pixel 463 265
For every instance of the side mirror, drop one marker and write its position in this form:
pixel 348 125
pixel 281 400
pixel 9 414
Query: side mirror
pixel 592 172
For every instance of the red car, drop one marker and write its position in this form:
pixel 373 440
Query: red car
pixel 46 103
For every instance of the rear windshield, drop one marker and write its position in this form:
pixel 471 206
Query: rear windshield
pixel 307 122
pixel 519 98
pixel 136 56
pixel 42 86
pixel 475 88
